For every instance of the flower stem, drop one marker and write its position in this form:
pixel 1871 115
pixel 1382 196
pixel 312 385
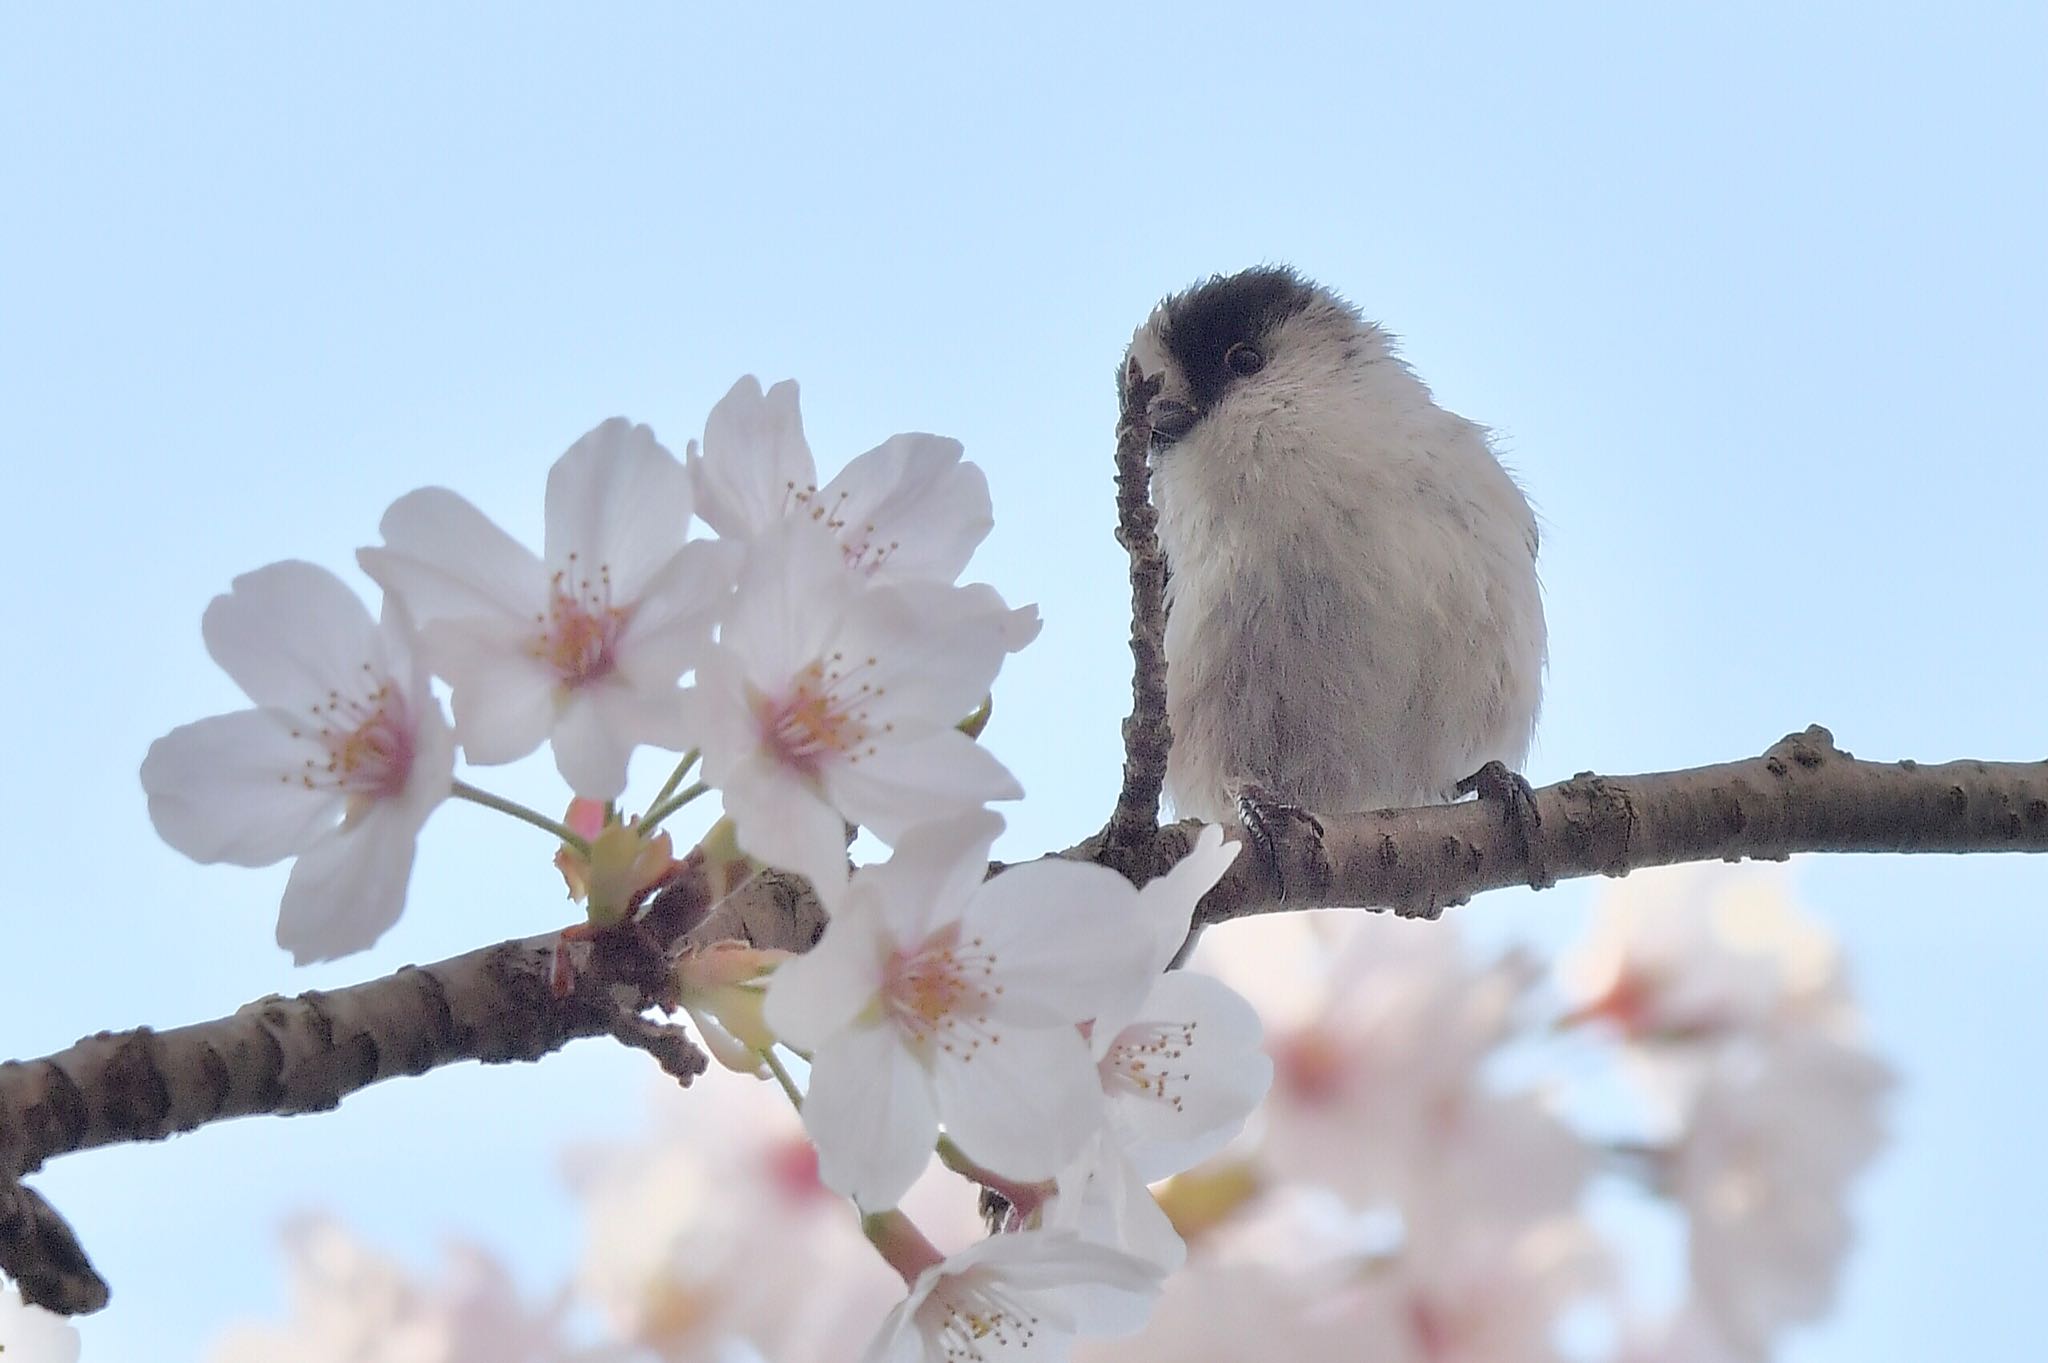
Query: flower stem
pixel 661 809
pixel 781 1073
pixel 901 1244
pixel 465 791
pixel 668 787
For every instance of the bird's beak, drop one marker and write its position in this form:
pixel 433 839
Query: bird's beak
pixel 1170 420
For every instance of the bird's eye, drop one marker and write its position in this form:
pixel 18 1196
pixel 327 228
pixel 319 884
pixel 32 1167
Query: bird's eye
pixel 1244 358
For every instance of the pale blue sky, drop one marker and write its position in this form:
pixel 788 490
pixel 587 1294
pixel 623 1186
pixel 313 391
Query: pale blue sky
pixel 1754 300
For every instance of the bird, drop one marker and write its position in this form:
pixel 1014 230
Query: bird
pixel 1354 619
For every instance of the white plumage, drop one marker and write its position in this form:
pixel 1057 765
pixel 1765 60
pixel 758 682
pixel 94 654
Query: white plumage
pixel 1354 616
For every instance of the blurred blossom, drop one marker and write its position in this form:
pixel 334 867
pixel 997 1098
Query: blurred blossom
pixel 352 1305
pixel 1775 1136
pixel 29 1334
pixel 712 1236
pixel 1375 1074
pixel 1455 1292
pixel 695 1235
pixel 1690 952
pixel 1688 1336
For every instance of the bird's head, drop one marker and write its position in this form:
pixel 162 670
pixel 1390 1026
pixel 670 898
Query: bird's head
pixel 1247 344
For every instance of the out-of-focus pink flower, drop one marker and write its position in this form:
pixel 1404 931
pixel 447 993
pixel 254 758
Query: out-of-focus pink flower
pixel 352 1305
pixel 1775 1135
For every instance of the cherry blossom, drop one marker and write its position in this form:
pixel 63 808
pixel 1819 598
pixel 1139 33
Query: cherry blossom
pixel 340 764
pixel 910 508
pixel 584 646
pixel 1386 1028
pixel 1184 1071
pixel 1775 1136
pixel 353 1305
pixel 696 1231
pixel 829 700
pixel 1102 1198
pixel 938 996
pixel 1696 952
pixel 1026 1295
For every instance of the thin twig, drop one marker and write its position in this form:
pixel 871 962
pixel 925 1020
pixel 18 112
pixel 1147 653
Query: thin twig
pixel 1135 819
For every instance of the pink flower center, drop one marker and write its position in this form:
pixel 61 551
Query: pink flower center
pixel 939 992
pixel 366 744
pixel 823 717
pixel 579 635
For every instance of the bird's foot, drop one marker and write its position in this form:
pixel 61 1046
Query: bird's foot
pixel 1285 835
pixel 1495 784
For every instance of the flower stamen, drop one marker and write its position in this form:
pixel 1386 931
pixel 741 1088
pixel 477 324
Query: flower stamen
pixel 578 636
pixel 939 993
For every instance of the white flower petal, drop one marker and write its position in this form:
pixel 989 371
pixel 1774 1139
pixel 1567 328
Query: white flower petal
pixel 934 870
pixel 223 789
pixel 1045 924
pixel 504 707
pixel 1169 901
pixel 755 459
pixel 287 632
pixel 347 889
pixel 869 1109
pixel 1020 1296
pixel 448 560
pixel 937 648
pixel 590 752
pixel 814 995
pixel 794 596
pixel 1203 1073
pixel 1022 1104
pixel 720 719
pixel 780 820
pixel 620 500
pixel 1103 1199
pixel 914 781
pixel 671 626
pixel 910 508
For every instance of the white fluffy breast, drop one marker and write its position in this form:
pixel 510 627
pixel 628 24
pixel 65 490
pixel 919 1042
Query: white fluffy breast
pixel 1354 613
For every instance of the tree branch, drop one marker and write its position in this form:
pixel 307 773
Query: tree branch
pixel 1134 820
pixel 289 1056
pixel 1802 795
pixel 285 1057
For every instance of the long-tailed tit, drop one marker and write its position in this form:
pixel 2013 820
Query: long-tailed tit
pixel 1354 616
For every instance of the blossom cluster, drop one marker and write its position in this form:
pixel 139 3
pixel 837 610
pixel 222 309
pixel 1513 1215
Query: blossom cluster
pixel 817 653
pixel 1415 1189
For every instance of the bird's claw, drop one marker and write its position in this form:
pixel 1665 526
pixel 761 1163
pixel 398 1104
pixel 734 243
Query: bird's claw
pixel 1272 827
pixel 1495 784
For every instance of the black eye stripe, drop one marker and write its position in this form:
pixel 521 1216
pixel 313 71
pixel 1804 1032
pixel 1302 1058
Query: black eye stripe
pixel 1202 325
